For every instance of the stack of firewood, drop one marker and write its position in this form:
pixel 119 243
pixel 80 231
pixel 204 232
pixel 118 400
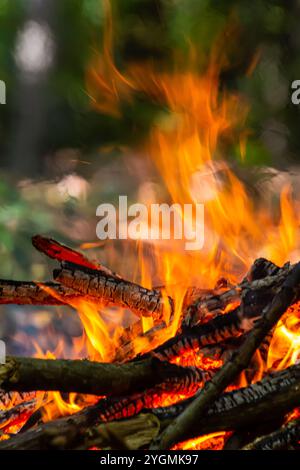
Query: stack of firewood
pixel 131 415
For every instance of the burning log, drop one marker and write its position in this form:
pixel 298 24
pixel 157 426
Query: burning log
pixel 31 293
pixel 7 398
pixel 60 252
pixel 81 432
pixel 219 329
pixel 253 308
pixel 254 283
pixel 44 436
pixel 276 384
pixel 113 291
pixel 239 361
pixel 240 409
pixel 17 413
pixel 269 399
pixel 283 438
pixel 262 268
pixel 82 376
pixel 188 382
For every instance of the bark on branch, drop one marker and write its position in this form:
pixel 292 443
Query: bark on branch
pixel 31 293
pixel 82 376
pixel 80 429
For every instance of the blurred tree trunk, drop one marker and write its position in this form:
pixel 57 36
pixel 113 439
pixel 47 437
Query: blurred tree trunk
pixel 34 58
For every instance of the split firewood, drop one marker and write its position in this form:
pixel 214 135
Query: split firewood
pixel 82 376
pixel 283 438
pixel 232 368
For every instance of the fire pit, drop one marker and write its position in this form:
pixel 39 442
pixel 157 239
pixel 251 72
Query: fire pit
pixel 212 384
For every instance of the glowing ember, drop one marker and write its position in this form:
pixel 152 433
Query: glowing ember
pixel 214 441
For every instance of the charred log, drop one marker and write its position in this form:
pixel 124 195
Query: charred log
pixel 255 281
pixel 276 384
pixel 60 252
pixel 113 291
pixel 283 438
pixel 188 382
pixel 234 324
pixel 226 375
pixel 7 398
pixel 262 268
pixel 17 413
pixel 31 293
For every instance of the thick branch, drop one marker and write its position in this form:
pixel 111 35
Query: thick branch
pixel 31 293
pixel 112 290
pixel 234 366
pixel 82 376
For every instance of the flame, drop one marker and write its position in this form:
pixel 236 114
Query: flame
pixel 284 349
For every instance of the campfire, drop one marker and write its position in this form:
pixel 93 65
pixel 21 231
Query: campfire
pixel 190 350
pixel 217 382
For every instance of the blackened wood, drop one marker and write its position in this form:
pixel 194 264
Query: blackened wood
pixel 261 268
pixel 278 440
pixel 239 361
pixel 214 304
pixel 233 324
pixel 113 291
pixel 273 387
pixel 15 413
pixel 31 293
pixel 187 382
pixel 7 398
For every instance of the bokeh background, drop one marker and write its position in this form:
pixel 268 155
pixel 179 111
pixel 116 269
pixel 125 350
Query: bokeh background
pixel 60 156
